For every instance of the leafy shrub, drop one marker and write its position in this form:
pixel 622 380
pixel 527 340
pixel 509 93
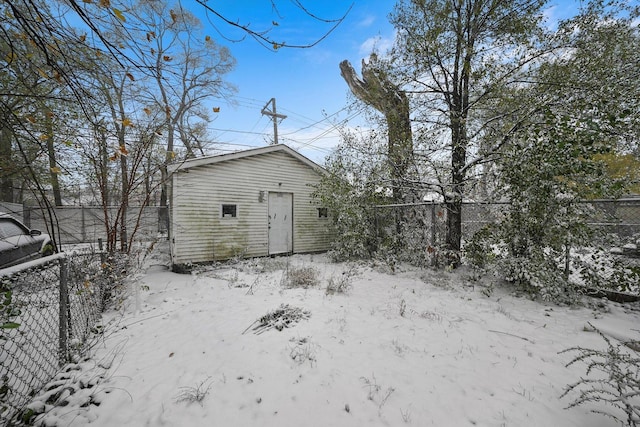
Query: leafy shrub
pixel 479 250
pixel 603 270
pixel 349 198
pixel 537 271
pixel 539 275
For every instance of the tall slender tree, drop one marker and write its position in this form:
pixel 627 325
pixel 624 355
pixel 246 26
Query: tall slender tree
pixel 455 55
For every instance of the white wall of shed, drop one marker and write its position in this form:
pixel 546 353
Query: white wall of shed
pixel 200 235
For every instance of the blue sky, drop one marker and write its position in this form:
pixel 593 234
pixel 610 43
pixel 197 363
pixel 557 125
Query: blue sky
pixel 305 82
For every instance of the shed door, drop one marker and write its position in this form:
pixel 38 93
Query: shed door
pixel 280 223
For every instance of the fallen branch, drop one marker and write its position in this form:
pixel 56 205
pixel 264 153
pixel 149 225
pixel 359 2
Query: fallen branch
pixel 284 316
pixel 243 332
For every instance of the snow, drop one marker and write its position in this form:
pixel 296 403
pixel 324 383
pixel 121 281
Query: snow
pixel 410 347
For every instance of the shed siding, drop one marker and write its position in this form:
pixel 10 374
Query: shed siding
pixel 201 235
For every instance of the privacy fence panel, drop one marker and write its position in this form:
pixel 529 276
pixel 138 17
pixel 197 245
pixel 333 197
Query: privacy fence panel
pixel 13 209
pixel 49 312
pixel 86 224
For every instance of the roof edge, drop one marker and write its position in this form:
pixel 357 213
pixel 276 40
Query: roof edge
pixel 217 158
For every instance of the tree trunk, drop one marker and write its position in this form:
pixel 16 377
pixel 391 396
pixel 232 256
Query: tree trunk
pixel 54 170
pixel 103 171
pixel 124 204
pixel 6 169
pixel 376 90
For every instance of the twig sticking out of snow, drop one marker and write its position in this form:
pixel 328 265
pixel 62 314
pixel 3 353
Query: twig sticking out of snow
pixel 511 335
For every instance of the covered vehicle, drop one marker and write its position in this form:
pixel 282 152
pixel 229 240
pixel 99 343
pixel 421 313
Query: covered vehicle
pixel 19 244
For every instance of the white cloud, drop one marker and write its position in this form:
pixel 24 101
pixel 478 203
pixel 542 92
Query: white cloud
pixel 376 44
pixel 550 17
pixel 367 21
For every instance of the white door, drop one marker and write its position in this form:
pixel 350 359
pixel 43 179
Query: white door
pixel 280 223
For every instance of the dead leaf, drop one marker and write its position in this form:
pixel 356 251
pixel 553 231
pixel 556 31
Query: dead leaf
pixel 119 14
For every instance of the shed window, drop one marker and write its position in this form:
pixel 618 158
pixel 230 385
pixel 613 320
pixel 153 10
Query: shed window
pixel 323 213
pixel 229 211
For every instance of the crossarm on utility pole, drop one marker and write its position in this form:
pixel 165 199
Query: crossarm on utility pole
pixel 274 116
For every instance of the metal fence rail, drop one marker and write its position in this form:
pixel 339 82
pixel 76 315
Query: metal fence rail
pixel 620 218
pixel 49 311
pixel 614 227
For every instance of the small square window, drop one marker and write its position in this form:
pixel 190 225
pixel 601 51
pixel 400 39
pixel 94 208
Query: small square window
pixel 323 213
pixel 229 211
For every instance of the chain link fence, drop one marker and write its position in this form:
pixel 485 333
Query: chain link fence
pixel 611 259
pixel 50 313
pixel 423 225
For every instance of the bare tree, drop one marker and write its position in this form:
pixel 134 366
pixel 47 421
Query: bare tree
pixel 187 70
pixel 109 31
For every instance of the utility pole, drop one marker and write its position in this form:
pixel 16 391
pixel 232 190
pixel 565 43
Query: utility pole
pixel 274 116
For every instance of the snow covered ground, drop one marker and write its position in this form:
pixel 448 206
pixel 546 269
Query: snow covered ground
pixel 413 347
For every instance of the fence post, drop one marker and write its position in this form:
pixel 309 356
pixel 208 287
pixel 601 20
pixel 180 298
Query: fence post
pixel 567 260
pixel 63 325
pixel 101 249
pixel 84 224
pixel 433 225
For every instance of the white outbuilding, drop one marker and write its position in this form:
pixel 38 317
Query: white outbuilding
pixel 251 203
